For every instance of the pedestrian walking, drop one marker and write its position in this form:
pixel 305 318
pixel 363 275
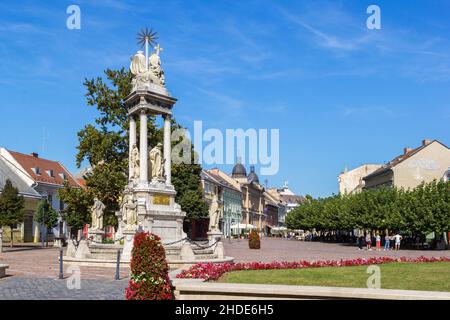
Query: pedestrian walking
pixel 378 242
pixel 369 241
pixel 387 242
pixel 398 240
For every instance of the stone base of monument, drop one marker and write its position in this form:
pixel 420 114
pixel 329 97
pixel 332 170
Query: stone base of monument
pixel 96 235
pixel 90 254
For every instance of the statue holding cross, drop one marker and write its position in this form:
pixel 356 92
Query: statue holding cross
pixel 155 65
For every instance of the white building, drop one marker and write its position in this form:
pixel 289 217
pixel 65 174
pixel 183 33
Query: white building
pixel 46 177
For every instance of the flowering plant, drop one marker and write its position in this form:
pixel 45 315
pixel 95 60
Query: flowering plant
pixel 210 271
pixel 254 241
pixel 149 270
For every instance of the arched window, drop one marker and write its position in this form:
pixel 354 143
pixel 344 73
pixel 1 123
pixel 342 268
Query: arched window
pixel 447 175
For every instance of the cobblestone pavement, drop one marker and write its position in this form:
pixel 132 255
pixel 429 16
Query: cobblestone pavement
pixel 20 288
pixel 34 271
pixel 34 261
pixel 276 249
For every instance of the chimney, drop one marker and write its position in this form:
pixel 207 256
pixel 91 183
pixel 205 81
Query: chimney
pixel 35 155
pixel 406 150
pixel 426 142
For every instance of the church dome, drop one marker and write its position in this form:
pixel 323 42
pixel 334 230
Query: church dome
pixel 253 177
pixel 239 171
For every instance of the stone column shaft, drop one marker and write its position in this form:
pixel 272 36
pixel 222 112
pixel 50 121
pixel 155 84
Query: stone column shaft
pixel 167 150
pixel 143 150
pixel 132 143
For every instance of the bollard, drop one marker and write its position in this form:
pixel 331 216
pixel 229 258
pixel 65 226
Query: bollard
pixel 118 266
pixel 61 265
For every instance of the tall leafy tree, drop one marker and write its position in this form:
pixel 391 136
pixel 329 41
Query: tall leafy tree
pixel 104 145
pixel 12 207
pixel 78 202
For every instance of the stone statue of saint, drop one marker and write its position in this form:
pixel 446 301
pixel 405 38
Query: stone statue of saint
pixel 129 210
pixel 214 214
pixel 97 214
pixel 155 67
pixel 135 166
pixel 157 162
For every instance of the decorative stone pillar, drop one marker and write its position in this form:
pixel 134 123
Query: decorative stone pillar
pixel 132 143
pixel 167 150
pixel 143 150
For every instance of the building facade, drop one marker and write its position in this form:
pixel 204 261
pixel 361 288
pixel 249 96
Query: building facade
pixel 231 199
pixel 425 163
pixel 352 181
pixel 287 201
pixel 46 177
pixel 24 231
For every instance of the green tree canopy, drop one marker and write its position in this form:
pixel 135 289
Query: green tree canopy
pixel 12 207
pixel 422 210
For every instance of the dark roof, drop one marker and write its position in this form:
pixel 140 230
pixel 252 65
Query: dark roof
pixel 253 177
pixel 239 171
pixel 6 173
pixel 388 166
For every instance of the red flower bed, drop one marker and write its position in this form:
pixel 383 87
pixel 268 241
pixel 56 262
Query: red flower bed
pixel 149 270
pixel 210 271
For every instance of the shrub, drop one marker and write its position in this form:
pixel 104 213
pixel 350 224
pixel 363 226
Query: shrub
pixel 149 270
pixel 254 241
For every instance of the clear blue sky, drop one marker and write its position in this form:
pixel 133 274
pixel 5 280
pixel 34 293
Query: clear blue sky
pixel 339 93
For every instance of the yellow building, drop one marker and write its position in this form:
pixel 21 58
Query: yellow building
pixel 425 163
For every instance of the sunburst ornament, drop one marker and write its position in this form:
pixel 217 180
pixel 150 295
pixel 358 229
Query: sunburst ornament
pixel 146 36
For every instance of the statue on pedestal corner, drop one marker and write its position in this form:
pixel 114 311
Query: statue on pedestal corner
pixel 97 212
pixel 214 214
pixel 129 212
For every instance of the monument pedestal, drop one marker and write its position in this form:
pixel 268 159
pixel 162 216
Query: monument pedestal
pixel 128 239
pixel 97 235
pixel 214 236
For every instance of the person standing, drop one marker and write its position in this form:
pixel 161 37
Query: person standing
pixel 369 241
pixel 378 242
pixel 398 239
pixel 387 242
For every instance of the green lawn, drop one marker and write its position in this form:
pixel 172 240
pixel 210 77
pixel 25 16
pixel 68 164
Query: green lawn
pixel 406 276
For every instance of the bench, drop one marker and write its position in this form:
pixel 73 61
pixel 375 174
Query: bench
pixel 3 268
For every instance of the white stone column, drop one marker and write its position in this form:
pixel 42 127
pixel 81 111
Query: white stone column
pixel 143 150
pixel 132 143
pixel 167 150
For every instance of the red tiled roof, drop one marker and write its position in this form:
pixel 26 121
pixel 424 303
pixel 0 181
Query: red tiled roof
pixel 29 162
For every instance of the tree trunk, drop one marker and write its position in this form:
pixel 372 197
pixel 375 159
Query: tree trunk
pixel 12 236
pixel 46 237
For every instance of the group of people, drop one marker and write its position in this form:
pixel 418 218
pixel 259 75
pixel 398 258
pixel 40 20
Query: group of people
pixel 396 239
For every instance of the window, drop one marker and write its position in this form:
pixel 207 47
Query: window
pixel 51 173
pixel 61 205
pixel 37 171
pixel 50 200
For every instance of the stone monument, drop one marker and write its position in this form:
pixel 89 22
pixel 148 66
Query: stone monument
pixel 148 201
pixel 149 198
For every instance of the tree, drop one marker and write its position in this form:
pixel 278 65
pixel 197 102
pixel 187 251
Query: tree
pixel 46 216
pixel 12 207
pixel 104 145
pixel 78 204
